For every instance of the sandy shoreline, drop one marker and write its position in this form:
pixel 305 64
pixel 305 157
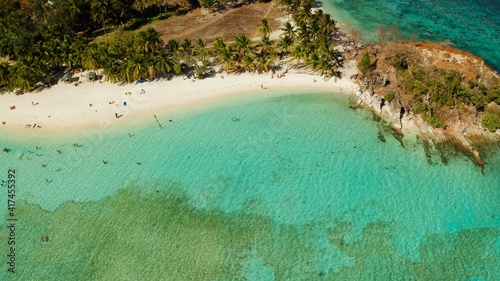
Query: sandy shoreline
pixel 67 108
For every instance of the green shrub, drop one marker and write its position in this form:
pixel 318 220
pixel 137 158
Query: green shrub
pixel 389 97
pixel 177 68
pixel 491 121
pixel 419 90
pixel 471 84
pixel 364 64
pixel 493 95
pixel 421 108
pixel 437 122
pixel 477 99
pixel 447 55
pixel 418 72
pixel 401 64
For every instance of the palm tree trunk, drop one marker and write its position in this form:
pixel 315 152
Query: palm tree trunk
pixel 104 26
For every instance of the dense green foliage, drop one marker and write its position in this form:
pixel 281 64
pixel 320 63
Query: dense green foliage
pixel 448 88
pixel 389 97
pixel 40 39
pixel 431 90
pixel 364 64
pixel 491 121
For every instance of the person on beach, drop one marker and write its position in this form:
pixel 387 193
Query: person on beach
pixel 58 152
pixel 103 162
pixel 90 104
pixel 129 134
pixel 116 115
pixel 46 180
pixel 37 155
pixel 32 103
pixel 3 123
pixel 55 169
pixel 43 165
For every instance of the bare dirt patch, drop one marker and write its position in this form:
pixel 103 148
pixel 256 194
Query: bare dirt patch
pixel 200 23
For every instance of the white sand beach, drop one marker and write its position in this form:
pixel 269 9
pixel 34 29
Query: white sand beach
pixel 66 107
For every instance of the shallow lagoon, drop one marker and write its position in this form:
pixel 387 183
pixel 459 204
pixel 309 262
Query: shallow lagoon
pixel 302 184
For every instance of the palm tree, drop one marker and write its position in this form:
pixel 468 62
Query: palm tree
pixel 303 32
pixel 288 30
pixel 286 5
pixel 112 73
pixel 323 44
pixel 264 27
pixel 200 46
pixel 304 14
pixel 219 45
pixel 98 11
pixel 226 58
pixel 264 64
pixel 137 67
pixel 297 54
pixel 285 44
pixel 26 76
pixel 327 25
pixel 266 45
pixel 4 73
pixel 243 44
pixel 77 51
pixel 326 68
pixel 313 60
pixel 248 62
pixel 186 46
pixel 173 46
pixel 90 59
pixel 139 6
pixel 149 40
pixel 162 62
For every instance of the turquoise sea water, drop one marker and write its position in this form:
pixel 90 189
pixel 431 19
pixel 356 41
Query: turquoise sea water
pixel 472 25
pixel 300 185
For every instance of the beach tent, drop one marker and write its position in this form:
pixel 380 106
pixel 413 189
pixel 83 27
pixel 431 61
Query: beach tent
pixel 91 76
pixel 67 77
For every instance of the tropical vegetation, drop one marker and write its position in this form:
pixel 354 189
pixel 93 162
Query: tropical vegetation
pixel 439 95
pixel 40 38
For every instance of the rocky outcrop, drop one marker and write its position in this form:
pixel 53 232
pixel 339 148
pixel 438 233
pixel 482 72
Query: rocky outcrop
pixel 466 137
